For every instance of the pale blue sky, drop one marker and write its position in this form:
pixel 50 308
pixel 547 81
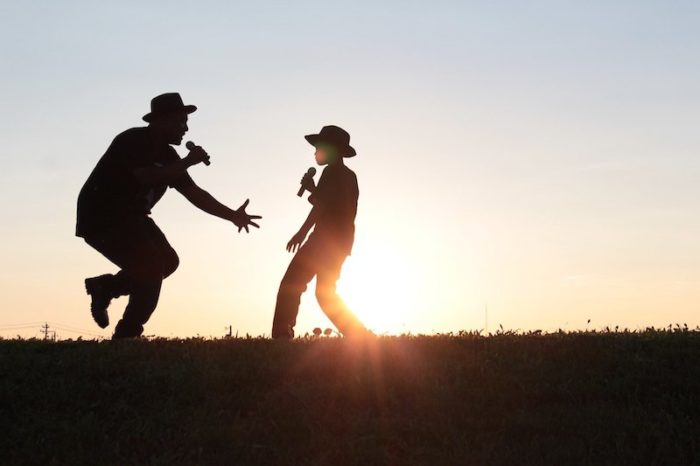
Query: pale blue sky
pixel 538 157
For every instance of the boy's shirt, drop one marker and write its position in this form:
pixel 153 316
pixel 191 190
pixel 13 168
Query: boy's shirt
pixel 337 192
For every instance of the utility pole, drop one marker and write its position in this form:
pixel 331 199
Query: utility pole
pixel 45 331
pixel 230 331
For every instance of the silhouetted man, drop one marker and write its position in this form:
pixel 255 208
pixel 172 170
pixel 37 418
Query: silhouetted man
pixel 333 218
pixel 114 209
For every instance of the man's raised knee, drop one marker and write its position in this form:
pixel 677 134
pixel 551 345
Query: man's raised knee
pixel 171 264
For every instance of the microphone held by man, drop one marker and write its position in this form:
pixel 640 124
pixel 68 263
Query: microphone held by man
pixel 191 146
pixel 307 182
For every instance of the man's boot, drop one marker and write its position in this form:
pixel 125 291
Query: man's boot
pixel 100 290
pixel 125 330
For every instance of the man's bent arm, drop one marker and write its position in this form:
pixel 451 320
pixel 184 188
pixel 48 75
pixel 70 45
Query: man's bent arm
pixel 154 176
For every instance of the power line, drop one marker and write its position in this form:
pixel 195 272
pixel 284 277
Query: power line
pixel 80 332
pixel 26 324
pixel 12 329
pixel 45 329
pixel 35 324
pixel 70 327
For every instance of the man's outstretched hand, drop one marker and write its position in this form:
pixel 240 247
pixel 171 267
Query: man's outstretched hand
pixel 242 220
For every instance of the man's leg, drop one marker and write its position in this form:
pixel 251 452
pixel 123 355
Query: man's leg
pixel 156 261
pixel 143 253
pixel 331 303
pixel 143 300
pixel 299 273
pixel 103 288
pixel 101 294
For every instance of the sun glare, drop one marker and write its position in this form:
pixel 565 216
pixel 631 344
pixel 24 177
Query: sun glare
pixel 378 286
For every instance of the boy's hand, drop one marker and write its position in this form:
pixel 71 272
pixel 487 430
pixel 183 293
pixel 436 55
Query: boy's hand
pixel 241 219
pixel 296 241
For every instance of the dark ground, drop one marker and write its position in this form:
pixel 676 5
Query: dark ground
pixel 580 398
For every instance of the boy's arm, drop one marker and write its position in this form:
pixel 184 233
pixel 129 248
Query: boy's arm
pixel 294 243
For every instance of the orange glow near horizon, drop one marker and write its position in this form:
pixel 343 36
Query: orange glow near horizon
pixel 378 286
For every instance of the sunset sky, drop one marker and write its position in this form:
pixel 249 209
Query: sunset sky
pixel 541 159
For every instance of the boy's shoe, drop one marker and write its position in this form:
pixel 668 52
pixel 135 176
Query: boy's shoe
pixel 98 289
pixel 283 333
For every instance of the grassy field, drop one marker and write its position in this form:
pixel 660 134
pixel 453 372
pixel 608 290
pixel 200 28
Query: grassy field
pixel 575 398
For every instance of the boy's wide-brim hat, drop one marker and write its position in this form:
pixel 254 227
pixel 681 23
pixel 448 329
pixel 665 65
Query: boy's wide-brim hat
pixel 336 136
pixel 166 104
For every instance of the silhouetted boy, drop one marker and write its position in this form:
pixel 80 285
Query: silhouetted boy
pixel 333 218
pixel 114 209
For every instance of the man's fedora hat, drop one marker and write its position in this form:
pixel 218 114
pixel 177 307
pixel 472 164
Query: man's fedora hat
pixel 335 136
pixel 165 104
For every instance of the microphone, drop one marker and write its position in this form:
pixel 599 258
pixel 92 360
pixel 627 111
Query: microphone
pixel 191 145
pixel 310 172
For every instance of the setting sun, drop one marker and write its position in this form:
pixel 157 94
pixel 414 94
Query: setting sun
pixel 379 286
